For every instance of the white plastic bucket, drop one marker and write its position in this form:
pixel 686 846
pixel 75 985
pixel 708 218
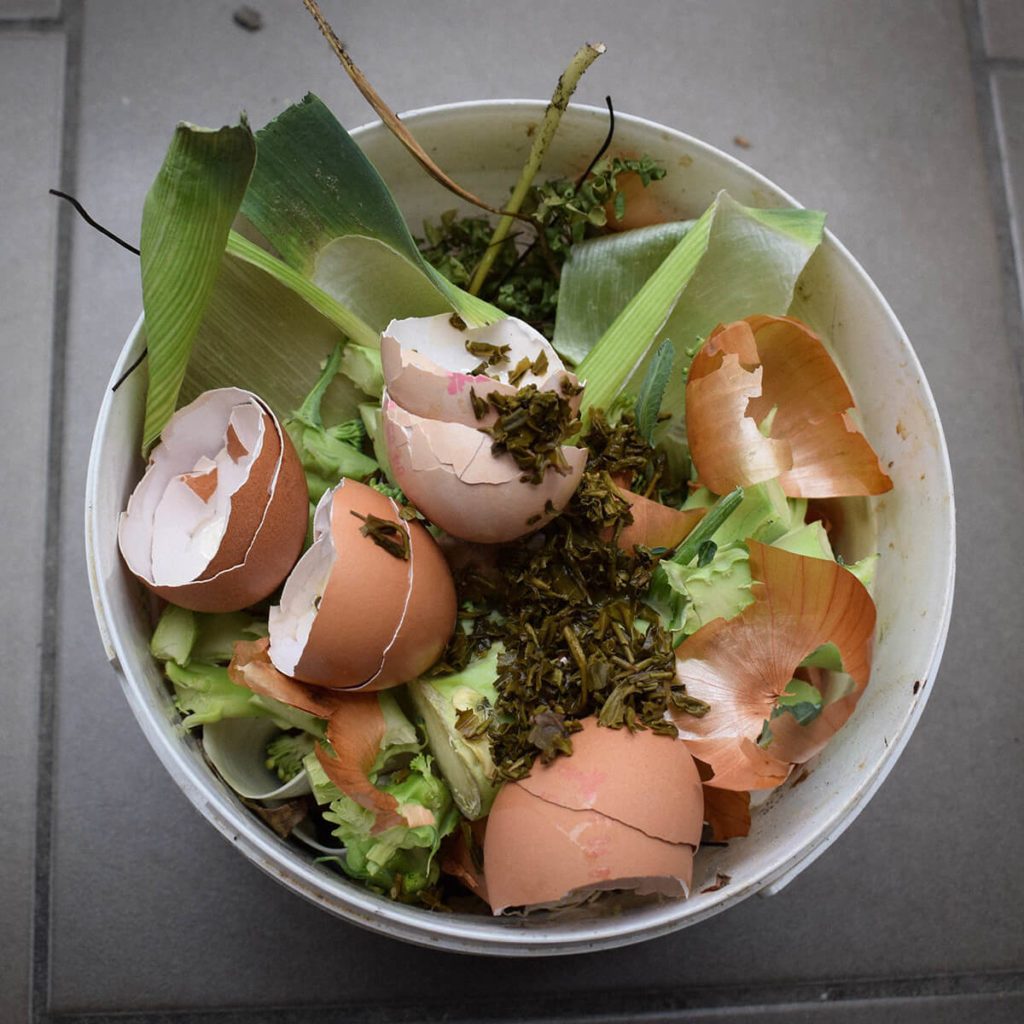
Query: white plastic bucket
pixel 482 145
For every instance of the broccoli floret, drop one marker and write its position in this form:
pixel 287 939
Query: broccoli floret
pixel 401 860
pixel 286 751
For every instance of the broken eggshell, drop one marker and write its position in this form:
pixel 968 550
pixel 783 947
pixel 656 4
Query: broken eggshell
pixel 220 515
pixel 625 811
pixel 448 472
pixel 355 615
pixel 427 366
pixel 438 374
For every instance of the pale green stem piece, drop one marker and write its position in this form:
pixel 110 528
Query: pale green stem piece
pixel 570 78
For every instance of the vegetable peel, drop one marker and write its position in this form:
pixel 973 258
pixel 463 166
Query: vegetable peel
pixel 742 666
pixel 774 373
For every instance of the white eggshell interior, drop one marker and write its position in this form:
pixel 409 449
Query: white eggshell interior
pixel 291 620
pixel 172 528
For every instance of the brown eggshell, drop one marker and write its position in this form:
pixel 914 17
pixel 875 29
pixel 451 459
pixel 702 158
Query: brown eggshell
pixel 429 617
pixel 457 859
pixel 448 472
pixel 268 512
pixel 379 619
pixel 426 366
pixel 538 854
pixel 643 779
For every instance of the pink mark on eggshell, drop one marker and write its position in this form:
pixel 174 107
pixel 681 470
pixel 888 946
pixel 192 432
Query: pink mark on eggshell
pixel 587 784
pixel 457 381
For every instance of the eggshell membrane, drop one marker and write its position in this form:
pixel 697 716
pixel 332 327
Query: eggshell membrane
pixel 448 472
pixel 268 513
pixel 538 854
pixel 643 779
pixel 380 619
pixel 425 365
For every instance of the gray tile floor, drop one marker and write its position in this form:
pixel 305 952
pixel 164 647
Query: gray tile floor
pixel 904 119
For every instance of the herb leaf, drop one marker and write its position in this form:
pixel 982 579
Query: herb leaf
pixel 648 403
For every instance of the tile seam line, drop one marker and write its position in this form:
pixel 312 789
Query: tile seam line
pixel 983 69
pixel 748 999
pixel 40 25
pixel 39 955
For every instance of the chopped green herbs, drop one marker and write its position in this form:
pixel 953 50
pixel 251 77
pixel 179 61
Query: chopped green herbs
pixel 492 355
pixel 532 425
pixel 523 280
pixel 385 533
pixel 576 637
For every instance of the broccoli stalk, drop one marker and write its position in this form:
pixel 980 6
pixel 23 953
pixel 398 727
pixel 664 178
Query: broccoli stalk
pixel 327 453
pixel 454 711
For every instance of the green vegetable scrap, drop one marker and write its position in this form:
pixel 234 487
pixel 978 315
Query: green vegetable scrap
pixel 400 861
pixel 455 712
pixel 523 280
pixel 328 453
pixel 286 753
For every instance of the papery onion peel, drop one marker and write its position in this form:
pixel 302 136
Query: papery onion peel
pixel 742 666
pixel 774 372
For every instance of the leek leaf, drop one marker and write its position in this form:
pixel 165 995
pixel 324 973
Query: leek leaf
pixel 259 333
pixel 185 223
pixel 313 185
pixel 347 321
pixel 733 262
pixel 600 276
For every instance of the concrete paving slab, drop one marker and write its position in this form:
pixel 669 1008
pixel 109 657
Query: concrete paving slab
pixel 864 109
pixel 1003 23
pixel 35 10
pixel 32 68
pixel 1008 93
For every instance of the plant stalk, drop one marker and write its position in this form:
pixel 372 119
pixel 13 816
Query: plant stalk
pixel 388 116
pixel 567 83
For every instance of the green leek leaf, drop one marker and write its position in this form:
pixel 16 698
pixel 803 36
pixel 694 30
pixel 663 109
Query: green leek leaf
pixel 600 276
pixel 348 322
pixel 261 334
pixel 313 185
pixel 185 223
pixel 733 262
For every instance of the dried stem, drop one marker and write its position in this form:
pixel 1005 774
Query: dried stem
pixel 389 117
